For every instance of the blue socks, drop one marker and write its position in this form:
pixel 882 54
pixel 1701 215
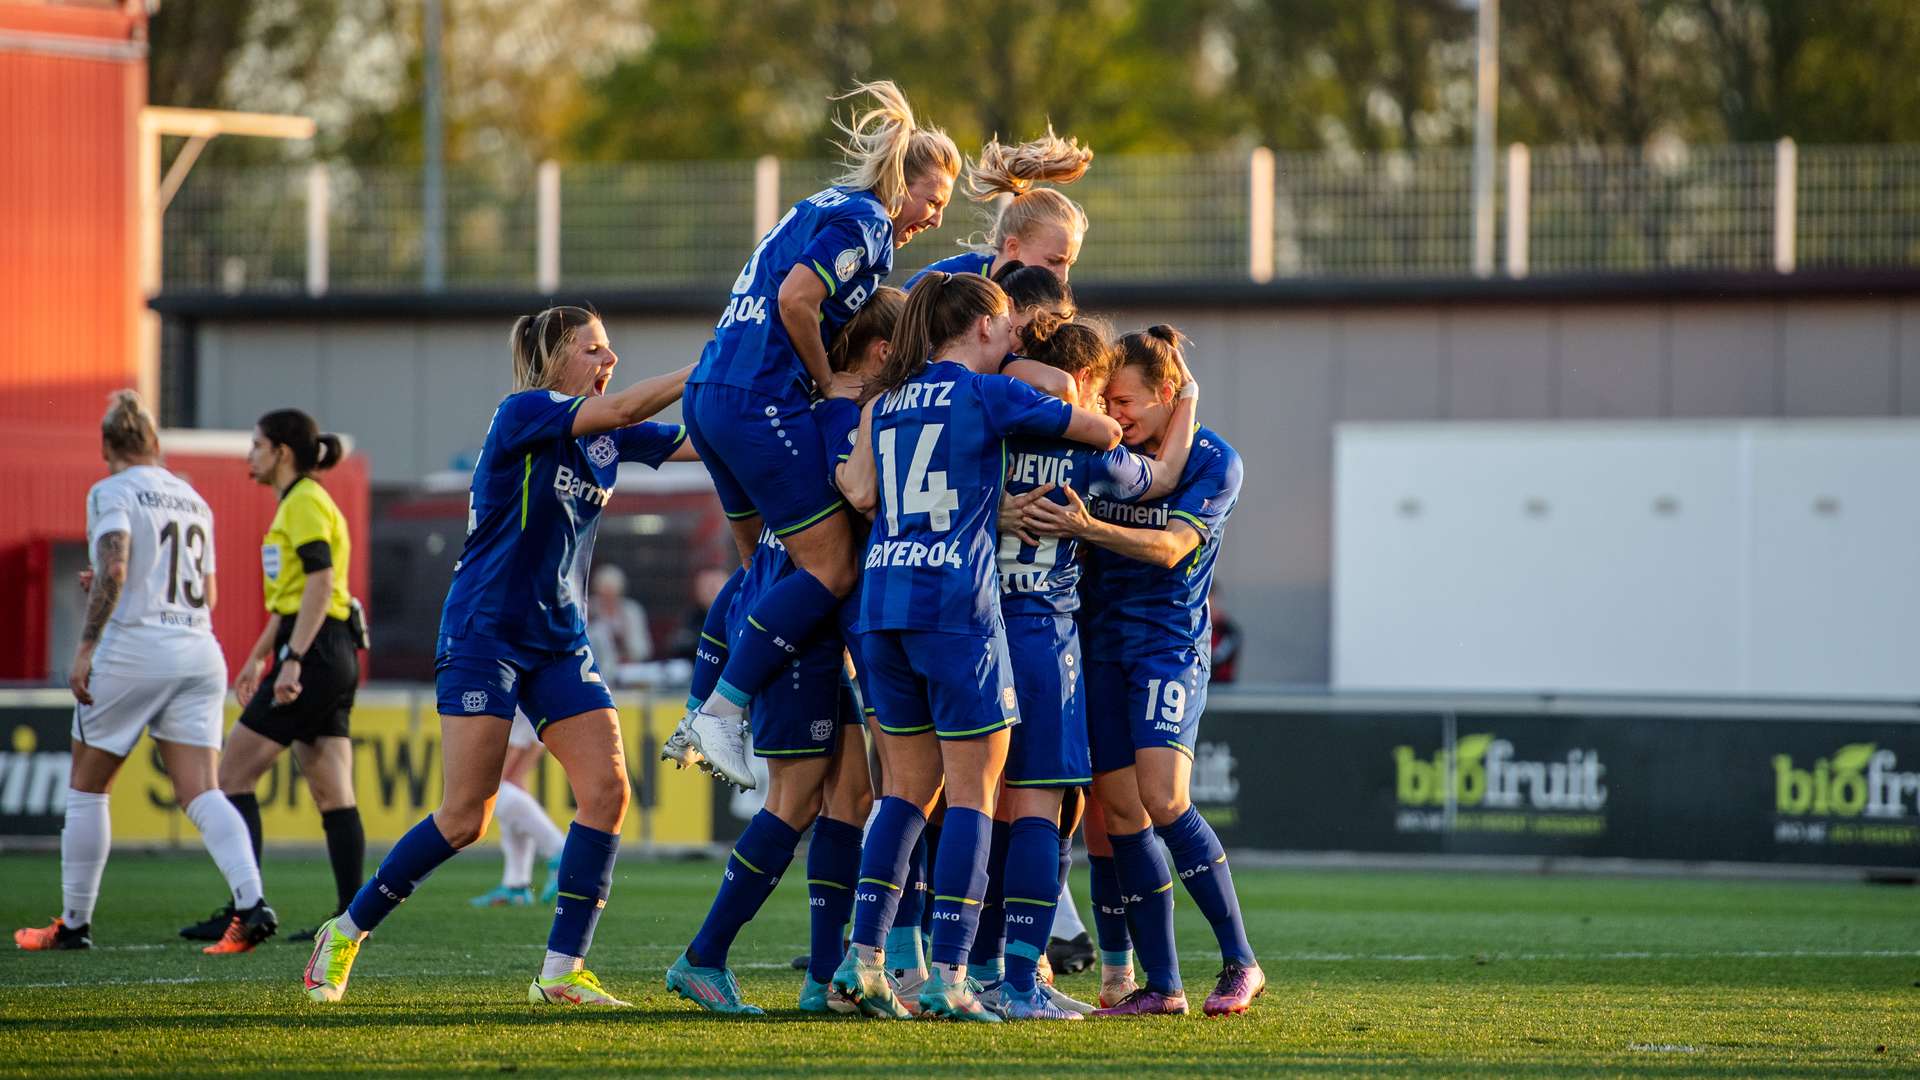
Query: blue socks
pixel 833 864
pixel 983 960
pixel 754 866
pixel 784 617
pixel 931 838
pixel 1032 892
pixel 1201 863
pixel 959 883
pixel 1109 912
pixel 883 869
pixel 586 876
pixel 710 652
pixel 904 940
pixel 1148 900
pixel 418 854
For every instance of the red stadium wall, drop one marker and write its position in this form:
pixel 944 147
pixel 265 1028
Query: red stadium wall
pixel 72 83
pixel 47 474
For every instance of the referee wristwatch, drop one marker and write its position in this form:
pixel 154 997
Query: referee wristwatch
pixel 287 653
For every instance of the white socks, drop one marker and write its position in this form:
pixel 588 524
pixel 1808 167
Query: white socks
pixel 558 964
pixel 718 705
pixel 1066 917
pixel 224 832
pixel 525 831
pixel 84 843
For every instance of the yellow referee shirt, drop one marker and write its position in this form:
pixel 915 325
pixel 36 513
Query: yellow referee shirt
pixel 308 534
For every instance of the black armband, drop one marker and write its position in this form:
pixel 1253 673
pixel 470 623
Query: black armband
pixel 315 556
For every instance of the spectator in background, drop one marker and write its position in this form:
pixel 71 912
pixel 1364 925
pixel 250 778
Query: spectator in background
pixel 616 623
pixel 707 584
pixel 1226 642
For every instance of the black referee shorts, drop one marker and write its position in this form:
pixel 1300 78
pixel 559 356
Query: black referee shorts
pixel 328 678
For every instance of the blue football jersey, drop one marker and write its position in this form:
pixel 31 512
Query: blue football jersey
pixel 1134 608
pixel 1043 579
pixel 940 453
pixel 537 494
pixel 967 262
pixel 845 237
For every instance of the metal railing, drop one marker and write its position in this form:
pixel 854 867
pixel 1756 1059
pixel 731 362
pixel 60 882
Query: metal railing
pixel 1208 218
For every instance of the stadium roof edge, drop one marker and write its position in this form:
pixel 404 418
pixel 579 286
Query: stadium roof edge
pixel 1297 292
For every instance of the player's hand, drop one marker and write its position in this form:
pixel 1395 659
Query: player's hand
pixel 248 682
pixel 1013 513
pixel 86 580
pixel 287 686
pixel 79 673
pixel 1049 518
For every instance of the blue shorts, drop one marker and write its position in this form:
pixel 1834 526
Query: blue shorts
pixel 958 686
pixel 764 454
pixel 483 676
pixel 798 714
pixel 1142 702
pixel 1049 748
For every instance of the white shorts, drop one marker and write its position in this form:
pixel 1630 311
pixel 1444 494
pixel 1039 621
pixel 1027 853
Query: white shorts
pixel 185 709
pixel 522 733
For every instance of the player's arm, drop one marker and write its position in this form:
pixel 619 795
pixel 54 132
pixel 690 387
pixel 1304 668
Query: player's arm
pixel 801 295
pixel 1048 380
pixel 623 408
pixel 213 591
pixel 248 680
pixel 1092 428
pixel 314 595
pixel 109 578
pixel 1156 547
pixel 855 477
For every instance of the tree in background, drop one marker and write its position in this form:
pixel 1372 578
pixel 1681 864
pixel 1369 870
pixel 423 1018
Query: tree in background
pixel 691 79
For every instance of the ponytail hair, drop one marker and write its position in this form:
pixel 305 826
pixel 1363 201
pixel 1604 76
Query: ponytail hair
pixel 876 320
pixel 1077 348
pixel 313 449
pixel 1158 351
pixel 537 342
pixel 1014 170
pixel 1037 290
pixel 885 150
pixel 939 309
pixel 127 430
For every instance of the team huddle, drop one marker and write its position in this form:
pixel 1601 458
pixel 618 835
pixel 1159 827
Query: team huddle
pixel 977 536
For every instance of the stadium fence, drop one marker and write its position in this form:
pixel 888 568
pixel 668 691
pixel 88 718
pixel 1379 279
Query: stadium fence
pixel 1260 216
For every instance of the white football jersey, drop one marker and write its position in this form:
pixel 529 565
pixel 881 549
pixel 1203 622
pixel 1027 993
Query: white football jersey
pixel 161 625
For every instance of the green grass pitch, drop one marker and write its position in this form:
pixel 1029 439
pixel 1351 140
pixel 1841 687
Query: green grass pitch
pixel 1429 973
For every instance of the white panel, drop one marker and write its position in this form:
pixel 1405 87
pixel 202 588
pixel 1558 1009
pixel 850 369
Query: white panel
pixel 1771 558
pixel 1837 559
pixel 1532 556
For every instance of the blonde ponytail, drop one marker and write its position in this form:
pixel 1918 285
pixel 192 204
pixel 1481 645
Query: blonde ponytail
pixel 1014 170
pixel 885 150
pixel 128 430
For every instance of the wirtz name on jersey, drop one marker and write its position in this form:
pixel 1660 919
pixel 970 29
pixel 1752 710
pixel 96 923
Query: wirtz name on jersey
pixel 917 396
pixel 578 487
pixel 1120 513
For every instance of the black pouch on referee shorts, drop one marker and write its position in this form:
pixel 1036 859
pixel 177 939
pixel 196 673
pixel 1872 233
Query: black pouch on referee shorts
pixel 357 625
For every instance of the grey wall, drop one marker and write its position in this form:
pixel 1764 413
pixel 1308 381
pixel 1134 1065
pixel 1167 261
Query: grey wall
pixel 416 392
